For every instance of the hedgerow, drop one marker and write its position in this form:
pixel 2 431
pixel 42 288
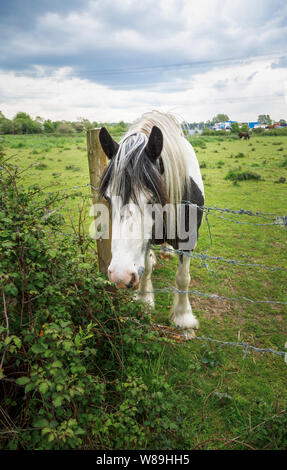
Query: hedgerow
pixel 73 352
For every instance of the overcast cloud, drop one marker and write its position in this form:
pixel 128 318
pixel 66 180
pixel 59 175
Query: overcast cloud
pixel 114 59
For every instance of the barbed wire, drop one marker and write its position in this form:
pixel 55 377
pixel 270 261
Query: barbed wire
pixel 240 211
pixel 282 221
pixel 193 292
pixel 200 256
pixel 245 346
pixel 278 220
pixel 216 296
pixel 203 257
pixel 72 188
pixel 175 332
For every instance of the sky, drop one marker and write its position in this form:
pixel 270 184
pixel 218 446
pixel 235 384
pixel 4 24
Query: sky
pixel 112 60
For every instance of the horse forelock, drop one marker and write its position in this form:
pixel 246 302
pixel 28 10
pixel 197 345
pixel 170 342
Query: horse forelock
pixel 131 172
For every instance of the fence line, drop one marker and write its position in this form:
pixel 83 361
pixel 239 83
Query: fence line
pixel 216 296
pixel 207 209
pixel 204 256
pixel 245 346
pixel 239 211
pixel 283 221
pixel 193 292
pixel 174 332
pixel 198 256
pixel 278 220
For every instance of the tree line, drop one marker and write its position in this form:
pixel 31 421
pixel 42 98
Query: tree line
pixel 263 119
pixel 23 123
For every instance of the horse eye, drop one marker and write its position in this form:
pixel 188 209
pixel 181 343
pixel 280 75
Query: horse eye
pixel 107 199
pixel 153 200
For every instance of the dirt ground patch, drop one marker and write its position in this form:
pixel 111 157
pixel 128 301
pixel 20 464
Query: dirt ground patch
pixel 211 308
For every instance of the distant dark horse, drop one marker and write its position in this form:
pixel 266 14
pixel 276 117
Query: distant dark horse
pixel 244 134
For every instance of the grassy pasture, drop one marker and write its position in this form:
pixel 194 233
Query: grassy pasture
pixel 228 400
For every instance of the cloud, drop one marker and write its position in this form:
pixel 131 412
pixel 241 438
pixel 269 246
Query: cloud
pixel 107 33
pixel 234 89
pixel 281 63
pixel 129 55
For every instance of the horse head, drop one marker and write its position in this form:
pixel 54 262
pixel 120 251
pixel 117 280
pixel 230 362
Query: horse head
pixel 131 181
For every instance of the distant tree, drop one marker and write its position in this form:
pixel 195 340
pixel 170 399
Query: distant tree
pixel 39 121
pixel 56 124
pixel 86 124
pixel 119 128
pixel 235 127
pixel 24 124
pixel 78 126
pixel 220 118
pixel 244 127
pixel 282 121
pixel 122 124
pixel 6 126
pixel 264 119
pixel 65 128
pixel 48 126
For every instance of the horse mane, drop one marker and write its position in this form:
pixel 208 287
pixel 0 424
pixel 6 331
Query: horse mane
pixel 176 174
pixel 131 170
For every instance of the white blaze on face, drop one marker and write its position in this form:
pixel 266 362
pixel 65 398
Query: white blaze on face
pixel 131 231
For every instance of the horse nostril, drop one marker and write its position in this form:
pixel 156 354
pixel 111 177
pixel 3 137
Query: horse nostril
pixel 130 285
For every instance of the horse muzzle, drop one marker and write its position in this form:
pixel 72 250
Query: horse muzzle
pixel 129 280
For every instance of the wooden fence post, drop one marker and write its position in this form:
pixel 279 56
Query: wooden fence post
pixel 97 164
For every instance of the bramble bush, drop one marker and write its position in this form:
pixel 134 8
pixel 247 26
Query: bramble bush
pixel 73 352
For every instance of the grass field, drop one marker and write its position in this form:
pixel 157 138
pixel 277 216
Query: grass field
pixel 230 399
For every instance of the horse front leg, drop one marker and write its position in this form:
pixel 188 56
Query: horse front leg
pixel 182 315
pixel 144 293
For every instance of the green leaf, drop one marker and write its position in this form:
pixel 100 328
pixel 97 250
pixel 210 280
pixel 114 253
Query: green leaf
pixel 45 430
pixel 37 348
pixel 18 342
pixel 43 387
pixel 22 380
pixel 51 437
pixel 57 364
pixel 29 387
pixel 58 401
pixel 40 423
pixel 11 289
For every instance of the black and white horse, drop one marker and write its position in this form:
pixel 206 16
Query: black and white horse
pixel 153 165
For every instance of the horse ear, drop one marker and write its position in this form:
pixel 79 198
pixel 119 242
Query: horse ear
pixel 109 146
pixel 154 145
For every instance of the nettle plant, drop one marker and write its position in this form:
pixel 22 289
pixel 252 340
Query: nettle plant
pixel 71 359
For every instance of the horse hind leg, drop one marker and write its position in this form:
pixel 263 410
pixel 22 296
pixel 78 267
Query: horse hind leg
pixel 182 315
